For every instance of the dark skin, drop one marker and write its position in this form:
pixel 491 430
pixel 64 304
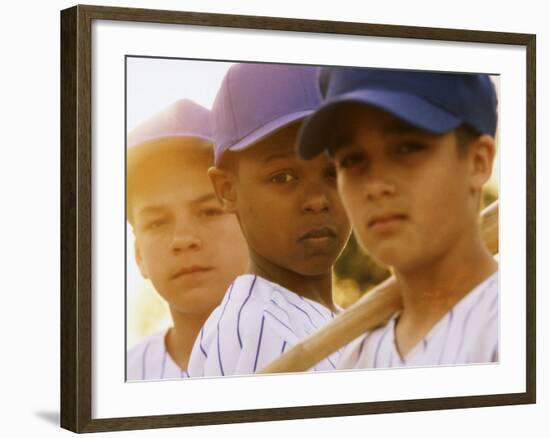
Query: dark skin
pixel 289 211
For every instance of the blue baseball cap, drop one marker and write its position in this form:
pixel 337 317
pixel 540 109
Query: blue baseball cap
pixel 183 118
pixel 435 102
pixel 256 100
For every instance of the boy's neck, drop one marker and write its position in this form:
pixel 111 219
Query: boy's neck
pixel 181 336
pixel 317 288
pixel 430 292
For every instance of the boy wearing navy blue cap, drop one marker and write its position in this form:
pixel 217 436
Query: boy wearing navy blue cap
pixel 413 151
pixel 290 215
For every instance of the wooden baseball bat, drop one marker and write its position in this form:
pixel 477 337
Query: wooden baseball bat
pixel 368 313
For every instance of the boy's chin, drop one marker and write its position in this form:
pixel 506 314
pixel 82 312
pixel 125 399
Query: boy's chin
pixel 315 268
pixel 397 262
pixel 196 309
pixel 195 301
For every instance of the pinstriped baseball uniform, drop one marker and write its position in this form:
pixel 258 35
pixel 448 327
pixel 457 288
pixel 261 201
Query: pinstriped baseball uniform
pixel 468 333
pixel 256 321
pixel 149 360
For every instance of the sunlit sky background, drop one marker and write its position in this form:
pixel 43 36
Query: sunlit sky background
pixel 152 85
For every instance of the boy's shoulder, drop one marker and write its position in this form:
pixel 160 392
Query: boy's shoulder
pixel 149 360
pixel 252 297
pixel 247 288
pixel 140 356
pixel 468 333
pixel 255 318
pixel 481 299
pixel 151 343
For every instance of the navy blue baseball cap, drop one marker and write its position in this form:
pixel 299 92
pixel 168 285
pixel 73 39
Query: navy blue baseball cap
pixel 435 102
pixel 256 100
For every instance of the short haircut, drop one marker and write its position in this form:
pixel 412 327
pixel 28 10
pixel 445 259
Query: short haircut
pixel 157 153
pixel 229 161
pixel 465 136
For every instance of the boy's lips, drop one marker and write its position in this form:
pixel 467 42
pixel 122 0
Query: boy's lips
pixel 383 219
pixel 193 269
pixel 319 233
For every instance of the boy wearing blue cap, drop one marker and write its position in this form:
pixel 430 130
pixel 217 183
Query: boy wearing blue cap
pixel 290 215
pixel 413 151
pixel 184 242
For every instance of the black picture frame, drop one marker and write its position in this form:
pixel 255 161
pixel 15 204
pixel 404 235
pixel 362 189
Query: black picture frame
pixel 76 217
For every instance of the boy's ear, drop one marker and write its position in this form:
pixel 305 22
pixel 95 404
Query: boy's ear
pixel 139 259
pixel 224 185
pixel 482 153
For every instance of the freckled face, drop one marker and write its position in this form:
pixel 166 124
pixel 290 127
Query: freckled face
pixel 289 208
pixel 407 192
pixel 189 248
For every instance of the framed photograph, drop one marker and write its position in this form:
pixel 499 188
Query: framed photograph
pixel 121 66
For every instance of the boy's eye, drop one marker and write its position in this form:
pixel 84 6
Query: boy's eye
pixel 409 147
pixel 350 159
pixel 156 224
pixel 211 212
pixel 330 173
pixel 282 178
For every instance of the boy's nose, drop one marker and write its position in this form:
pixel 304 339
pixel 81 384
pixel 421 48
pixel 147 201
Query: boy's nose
pixel 378 188
pixel 185 239
pixel 316 203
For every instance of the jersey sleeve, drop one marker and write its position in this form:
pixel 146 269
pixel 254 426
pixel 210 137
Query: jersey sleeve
pixel 144 360
pixel 486 344
pixel 135 361
pixel 483 324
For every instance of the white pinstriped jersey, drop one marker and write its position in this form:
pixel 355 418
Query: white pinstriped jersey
pixel 149 360
pixel 256 321
pixel 468 333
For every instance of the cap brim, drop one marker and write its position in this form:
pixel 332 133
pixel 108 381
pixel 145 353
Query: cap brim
pixel 136 141
pixel 268 129
pixel 313 135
